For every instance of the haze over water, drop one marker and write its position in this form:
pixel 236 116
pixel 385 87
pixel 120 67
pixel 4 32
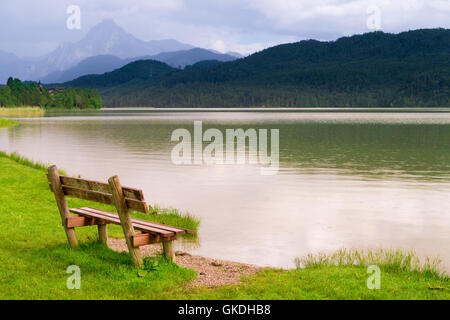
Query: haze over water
pixel 346 179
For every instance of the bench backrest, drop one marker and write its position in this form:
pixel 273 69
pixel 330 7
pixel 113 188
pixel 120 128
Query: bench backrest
pixel 101 192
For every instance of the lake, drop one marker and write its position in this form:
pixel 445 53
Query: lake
pixel 346 179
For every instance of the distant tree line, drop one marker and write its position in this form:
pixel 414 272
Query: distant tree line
pixel 17 93
pixel 228 96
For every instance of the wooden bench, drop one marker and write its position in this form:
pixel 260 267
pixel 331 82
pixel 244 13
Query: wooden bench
pixel 124 199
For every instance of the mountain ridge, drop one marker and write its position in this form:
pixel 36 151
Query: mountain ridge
pixel 373 69
pixel 107 63
pixel 103 39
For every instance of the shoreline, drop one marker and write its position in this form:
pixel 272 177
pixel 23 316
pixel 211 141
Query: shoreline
pixel 152 109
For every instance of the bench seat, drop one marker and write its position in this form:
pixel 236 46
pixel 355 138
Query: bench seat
pixel 152 232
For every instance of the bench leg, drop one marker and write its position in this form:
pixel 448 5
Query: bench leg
pixel 71 237
pixel 103 233
pixel 54 179
pixel 125 220
pixel 168 250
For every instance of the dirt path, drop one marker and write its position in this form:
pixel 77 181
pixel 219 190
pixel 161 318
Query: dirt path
pixel 211 272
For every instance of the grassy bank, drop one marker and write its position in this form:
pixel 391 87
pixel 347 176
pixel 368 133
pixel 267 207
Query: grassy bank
pixel 7 123
pixel 35 256
pixel 22 112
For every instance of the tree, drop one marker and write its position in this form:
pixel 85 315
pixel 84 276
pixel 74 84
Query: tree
pixel 17 93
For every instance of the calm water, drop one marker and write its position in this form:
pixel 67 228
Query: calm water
pixel 356 179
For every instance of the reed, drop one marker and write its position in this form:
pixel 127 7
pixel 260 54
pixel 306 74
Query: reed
pixel 30 111
pixel 392 260
pixel 174 217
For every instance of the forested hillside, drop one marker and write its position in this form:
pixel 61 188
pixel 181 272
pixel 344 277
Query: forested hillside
pixel 135 72
pixel 17 93
pixel 410 69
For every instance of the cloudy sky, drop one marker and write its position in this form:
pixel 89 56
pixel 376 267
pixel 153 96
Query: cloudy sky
pixel 33 28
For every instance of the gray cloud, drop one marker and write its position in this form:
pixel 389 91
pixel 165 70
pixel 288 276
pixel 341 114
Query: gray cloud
pixel 32 28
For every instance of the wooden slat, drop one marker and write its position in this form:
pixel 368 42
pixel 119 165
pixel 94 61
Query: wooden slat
pixel 86 212
pixel 143 222
pixel 136 205
pixel 77 221
pixel 142 239
pixel 85 184
pixel 167 227
pixel 102 197
pixel 88 195
pixel 91 185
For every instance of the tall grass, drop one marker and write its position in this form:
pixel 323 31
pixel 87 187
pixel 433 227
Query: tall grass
pixel 387 259
pixel 22 112
pixel 174 217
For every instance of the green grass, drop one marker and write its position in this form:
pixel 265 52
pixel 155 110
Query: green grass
pixel 7 123
pixel 330 282
pixel 34 257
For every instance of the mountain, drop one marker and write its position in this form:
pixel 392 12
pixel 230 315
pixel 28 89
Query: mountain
pixel 6 58
pixel 371 70
pixel 11 65
pixel 107 63
pixel 147 70
pixel 106 38
pixel 189 57
pixel 229 53
pixel 205 63
pixel 92 65
pixel 234 54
